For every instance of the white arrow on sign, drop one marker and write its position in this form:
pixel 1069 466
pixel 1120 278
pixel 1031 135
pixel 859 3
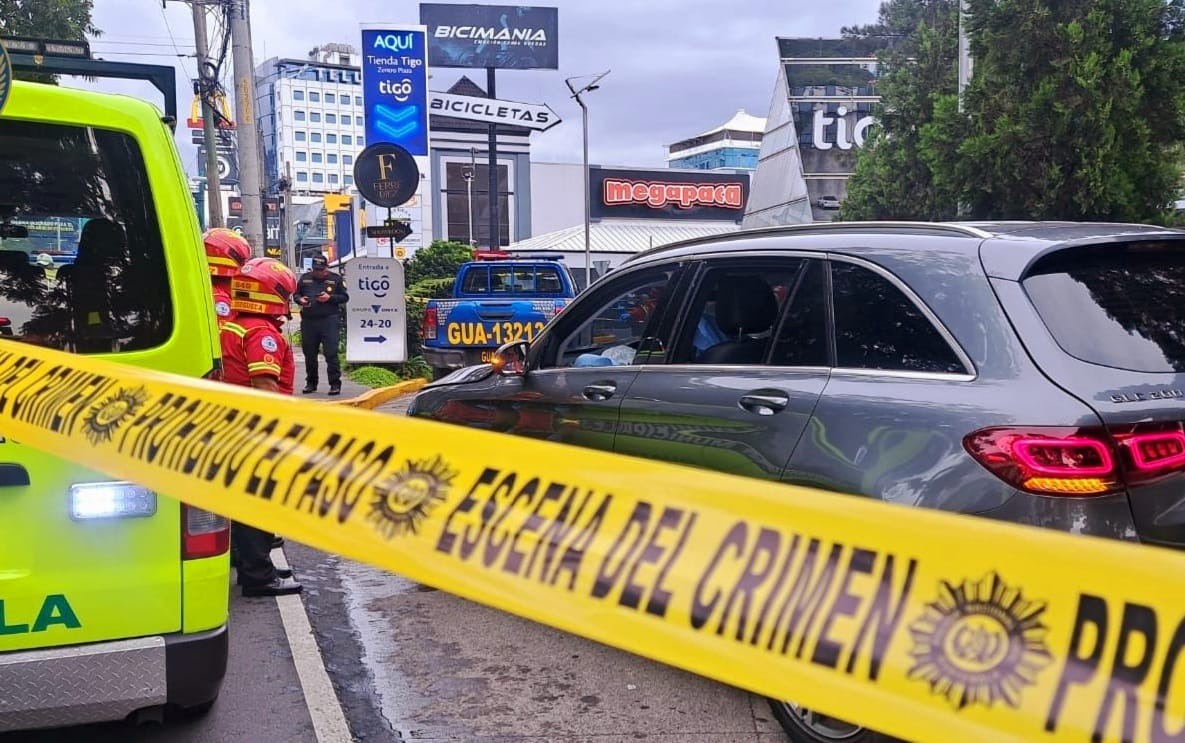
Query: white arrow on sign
pixel 493 111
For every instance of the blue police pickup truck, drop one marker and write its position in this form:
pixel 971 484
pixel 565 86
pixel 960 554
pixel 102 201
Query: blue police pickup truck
pixel 497 298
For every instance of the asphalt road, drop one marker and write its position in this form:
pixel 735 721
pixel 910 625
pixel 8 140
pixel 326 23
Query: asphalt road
pixel 261 698
pixel 391 660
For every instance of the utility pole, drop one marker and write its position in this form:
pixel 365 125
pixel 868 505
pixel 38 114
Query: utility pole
pixel 286 217
pixel 238 16
pixel 495 233
pixel 207 86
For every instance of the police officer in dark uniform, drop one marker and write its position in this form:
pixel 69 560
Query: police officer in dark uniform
pixel 320 293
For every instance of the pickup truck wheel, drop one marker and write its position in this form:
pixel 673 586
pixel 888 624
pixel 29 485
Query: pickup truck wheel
pixel 439 373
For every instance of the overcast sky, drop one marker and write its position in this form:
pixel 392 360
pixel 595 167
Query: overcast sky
pixel 679 67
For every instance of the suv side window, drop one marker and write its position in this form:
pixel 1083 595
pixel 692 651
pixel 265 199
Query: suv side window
pixel 82 266
pixel 879 327
pixel 803 336
pixel 477 280
pixel 735 311
pixel 619 332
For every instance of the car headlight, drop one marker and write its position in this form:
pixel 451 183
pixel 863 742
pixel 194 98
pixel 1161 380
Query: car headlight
pixel 110 500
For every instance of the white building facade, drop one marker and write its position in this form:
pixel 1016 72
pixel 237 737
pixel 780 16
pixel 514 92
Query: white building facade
pixel 310 119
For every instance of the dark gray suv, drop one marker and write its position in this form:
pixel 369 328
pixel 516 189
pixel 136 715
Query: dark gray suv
pixel 1030 372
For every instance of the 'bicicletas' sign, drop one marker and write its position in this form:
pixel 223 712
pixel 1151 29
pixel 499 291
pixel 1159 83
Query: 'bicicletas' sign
pixel 493 111
pixel 666 194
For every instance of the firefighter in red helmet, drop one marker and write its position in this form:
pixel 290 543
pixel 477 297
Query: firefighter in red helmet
pixel 226 252
pixel 256 354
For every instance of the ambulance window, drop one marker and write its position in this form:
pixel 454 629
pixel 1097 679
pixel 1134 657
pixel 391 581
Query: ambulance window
pixel 82 266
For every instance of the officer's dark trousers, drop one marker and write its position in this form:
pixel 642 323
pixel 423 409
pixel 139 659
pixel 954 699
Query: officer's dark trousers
pixel 319 335
pixel 254 548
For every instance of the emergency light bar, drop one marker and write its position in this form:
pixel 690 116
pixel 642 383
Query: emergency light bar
pixel 46 47
pixel 502 255
pixel 60 57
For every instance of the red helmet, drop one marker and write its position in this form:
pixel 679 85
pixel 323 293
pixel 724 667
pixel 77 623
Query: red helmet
pixel 263 286
pixel 226 251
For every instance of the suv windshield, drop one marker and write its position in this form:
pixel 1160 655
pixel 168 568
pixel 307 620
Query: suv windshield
pixel 82 266
pixel 1118 306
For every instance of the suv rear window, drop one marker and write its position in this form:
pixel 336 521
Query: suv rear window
pixel 1118 306
pixel 82 267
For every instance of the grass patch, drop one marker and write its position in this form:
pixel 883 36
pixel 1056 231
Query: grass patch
pixel 373 376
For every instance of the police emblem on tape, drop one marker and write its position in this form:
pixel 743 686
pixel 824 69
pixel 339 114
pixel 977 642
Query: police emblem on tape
pixel 269 343
pixel 108 415
pixel 980 642
pixel 407 497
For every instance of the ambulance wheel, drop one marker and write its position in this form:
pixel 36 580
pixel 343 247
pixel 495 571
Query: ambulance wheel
pixel 803 725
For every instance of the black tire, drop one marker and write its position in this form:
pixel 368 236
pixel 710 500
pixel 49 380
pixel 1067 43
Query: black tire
pixel 200 710
pixel 803 726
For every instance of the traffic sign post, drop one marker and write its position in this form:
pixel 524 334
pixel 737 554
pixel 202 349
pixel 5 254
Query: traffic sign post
pixel 376 328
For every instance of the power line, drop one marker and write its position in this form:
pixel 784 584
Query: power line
pixel 173 38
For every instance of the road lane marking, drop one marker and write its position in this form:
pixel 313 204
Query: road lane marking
pixel 329 721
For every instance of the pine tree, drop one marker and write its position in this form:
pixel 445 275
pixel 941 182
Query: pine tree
pixel 892 178
pixel 1076 110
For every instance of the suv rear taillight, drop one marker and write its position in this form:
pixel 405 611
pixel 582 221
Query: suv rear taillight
pixel 428 330
pixel 203 534
pixel 1078 462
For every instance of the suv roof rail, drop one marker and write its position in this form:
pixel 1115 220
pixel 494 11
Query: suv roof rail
pixel 74 58
pixel 503 255
pixel 807 228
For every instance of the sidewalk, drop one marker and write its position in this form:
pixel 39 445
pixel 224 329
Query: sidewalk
pixel 349 388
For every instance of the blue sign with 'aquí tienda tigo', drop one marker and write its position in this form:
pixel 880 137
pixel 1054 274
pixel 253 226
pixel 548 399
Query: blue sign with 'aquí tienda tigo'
pixel 395 87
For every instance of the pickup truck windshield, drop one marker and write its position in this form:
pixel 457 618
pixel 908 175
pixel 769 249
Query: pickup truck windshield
pixel 518 280
pixel 82 267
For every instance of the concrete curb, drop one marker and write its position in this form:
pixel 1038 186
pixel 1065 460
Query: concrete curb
pixel 379 395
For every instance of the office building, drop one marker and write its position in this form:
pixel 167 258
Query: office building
pixel 310 119
pixel 734 145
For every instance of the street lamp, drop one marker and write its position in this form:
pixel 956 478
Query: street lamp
pixel 468 173
pixel 590 87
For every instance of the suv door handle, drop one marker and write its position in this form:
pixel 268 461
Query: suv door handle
pixel 600 391
pixel 765 402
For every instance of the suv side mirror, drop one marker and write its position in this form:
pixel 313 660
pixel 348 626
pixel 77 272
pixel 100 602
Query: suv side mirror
pixel 511 359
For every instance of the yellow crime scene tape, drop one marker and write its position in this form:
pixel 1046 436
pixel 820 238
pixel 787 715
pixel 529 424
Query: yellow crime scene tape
pixel 924 625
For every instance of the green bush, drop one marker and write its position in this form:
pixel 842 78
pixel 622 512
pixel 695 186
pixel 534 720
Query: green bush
pixel 433 288
pixel 373 376
pixel 440 260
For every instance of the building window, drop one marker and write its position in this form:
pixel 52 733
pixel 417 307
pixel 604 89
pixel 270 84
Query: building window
pixel 318 177
pixel 330 98
pixel 347 120
pixel 333 177
pixel 347 159
pixel 315 117
pixel 316 136
pixel 315 97
pixel 331 138
pixel 348 180
pixel 302 176
pixel 301 136
pixel 330 118
pixel 298 115
pixel 456 194
pixel 331 159
pixel 357 100
pixel 316 157
pixel 298 95
pixel 347 139
pixel 302 156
